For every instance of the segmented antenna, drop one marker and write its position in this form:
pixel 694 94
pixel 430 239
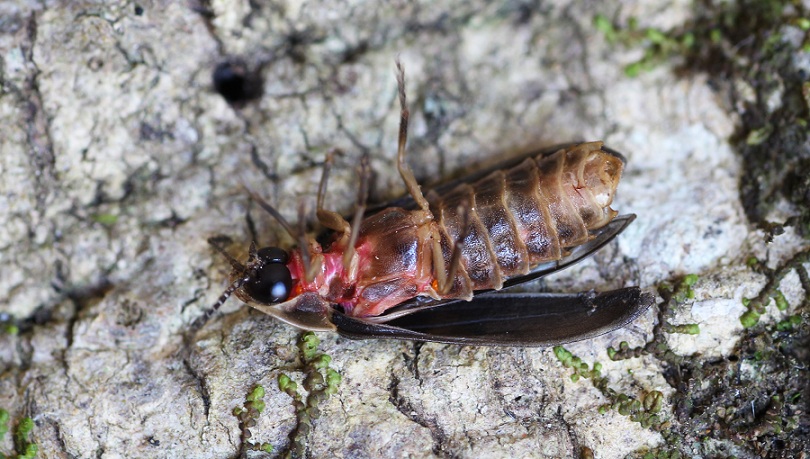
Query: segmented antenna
pixel 235 285
pixel 247 274
pixel 235 264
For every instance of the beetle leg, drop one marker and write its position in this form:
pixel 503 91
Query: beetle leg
pixel 445 278
pixel 405 171
pixel 310 268
pixel 359 211
pixel 299 236
pixel 329 218
pixel 333 220
pixel 273 212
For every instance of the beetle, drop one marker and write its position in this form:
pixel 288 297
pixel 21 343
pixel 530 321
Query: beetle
pixel 431 267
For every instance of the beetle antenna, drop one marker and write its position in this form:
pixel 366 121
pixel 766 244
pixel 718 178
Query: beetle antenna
pixel 235 285
pixel 252 253
pixel 235 264
pixel 246 272
pixel 272 211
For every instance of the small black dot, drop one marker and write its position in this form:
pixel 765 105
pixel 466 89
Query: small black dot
pixel 138 10
pixel 236 83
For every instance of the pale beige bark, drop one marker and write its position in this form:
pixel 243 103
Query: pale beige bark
pixel 119 160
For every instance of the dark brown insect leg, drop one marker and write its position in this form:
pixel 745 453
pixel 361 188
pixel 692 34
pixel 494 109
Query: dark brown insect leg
pixel 360 209
pixel 329 218
pixel 405 171
pixel 455 258
pixel 274 213
pixel 310 269
pixel 300 236
pixel 335 221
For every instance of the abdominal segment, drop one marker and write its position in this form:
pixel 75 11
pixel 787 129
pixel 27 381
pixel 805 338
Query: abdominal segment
pixel 528 214
pixel 506 223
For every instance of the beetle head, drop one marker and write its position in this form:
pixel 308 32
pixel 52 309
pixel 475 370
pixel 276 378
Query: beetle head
pixel 266 279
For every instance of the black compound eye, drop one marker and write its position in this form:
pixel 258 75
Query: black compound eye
pixel 272 255
pixel 272 284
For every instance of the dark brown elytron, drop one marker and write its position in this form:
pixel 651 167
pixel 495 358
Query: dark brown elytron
pixel 432 266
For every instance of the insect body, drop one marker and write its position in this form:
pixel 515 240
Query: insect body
pixel 425 269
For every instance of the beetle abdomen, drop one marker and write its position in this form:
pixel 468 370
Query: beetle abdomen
pixel 514 219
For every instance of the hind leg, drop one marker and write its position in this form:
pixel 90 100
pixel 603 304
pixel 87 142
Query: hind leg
pixel 405 171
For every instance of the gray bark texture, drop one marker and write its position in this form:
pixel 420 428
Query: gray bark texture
pixel 119 159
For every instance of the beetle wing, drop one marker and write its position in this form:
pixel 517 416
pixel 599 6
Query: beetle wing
pixel 504 319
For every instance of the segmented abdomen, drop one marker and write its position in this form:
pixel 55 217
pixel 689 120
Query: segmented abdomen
pixel 517 218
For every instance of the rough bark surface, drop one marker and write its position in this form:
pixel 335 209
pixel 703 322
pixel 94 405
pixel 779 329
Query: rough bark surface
pixel 119 159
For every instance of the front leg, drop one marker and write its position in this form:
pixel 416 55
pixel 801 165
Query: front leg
pixel 347 233
pixel 330 218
